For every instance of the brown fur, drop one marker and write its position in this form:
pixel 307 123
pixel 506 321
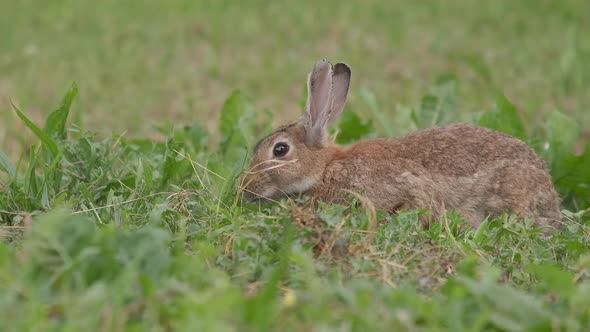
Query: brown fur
pixel 476 171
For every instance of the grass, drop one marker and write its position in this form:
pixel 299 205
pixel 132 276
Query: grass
pixel 133 234
pixel 177 61
pixel 143 230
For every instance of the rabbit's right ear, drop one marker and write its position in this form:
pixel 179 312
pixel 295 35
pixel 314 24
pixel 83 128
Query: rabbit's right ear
pixel 319 92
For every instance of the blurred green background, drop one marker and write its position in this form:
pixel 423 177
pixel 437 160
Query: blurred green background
pixel 142 63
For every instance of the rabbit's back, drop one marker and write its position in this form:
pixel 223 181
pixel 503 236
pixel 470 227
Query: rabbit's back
pixel 454 150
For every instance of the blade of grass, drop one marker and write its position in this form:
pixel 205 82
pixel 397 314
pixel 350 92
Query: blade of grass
pixel 7 166
pixel 55 125
pixel 46 140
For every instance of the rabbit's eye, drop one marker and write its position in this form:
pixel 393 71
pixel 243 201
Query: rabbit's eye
pixel 280 149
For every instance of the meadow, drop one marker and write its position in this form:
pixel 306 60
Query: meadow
pixel 125 125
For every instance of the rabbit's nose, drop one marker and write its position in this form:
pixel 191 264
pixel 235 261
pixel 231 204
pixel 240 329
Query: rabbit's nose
pixel 249 195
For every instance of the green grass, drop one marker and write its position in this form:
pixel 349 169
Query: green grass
pixel 143 230
pixel 133 234
pixel 177 61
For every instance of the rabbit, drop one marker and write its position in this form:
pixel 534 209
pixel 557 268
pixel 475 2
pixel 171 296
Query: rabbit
pixel 478 172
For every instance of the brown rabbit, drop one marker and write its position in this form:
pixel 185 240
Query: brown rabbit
pixel 474 170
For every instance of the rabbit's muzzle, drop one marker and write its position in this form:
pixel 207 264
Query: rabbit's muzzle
pixel 266 179
pixel 253 185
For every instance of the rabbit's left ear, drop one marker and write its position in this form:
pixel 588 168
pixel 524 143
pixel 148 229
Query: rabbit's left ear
pixel 327 89
pixel 340 84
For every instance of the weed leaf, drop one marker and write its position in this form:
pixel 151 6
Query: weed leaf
pixel 505 119
pixel 232 110
pixel 46 140
pixel 55 126
pixel 369 98
pixel 555 279
pixel 562 130
pixel 352 128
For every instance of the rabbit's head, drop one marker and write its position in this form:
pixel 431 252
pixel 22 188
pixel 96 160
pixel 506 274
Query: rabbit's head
pixel 292 159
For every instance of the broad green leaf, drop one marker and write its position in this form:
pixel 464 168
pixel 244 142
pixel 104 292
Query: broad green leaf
pixel 55 126
pixel 231 112
pixel 572 177
pixel 509 308
pixel 352 128
pixel 562 130
pixel 569 171
pixel 576 247
pixel 6 165
pixel 369 98
pixel 46 140
pixel 505 119
pixel 236 124
pixel 436 108
pixel 555 279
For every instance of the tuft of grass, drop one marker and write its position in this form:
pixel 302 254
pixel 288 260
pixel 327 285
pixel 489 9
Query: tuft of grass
pixel 126 234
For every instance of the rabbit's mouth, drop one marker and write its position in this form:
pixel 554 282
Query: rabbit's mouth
pixel 255 197
pixel 251 196
pixel 264 189
pixel 250 187
pixel 259 192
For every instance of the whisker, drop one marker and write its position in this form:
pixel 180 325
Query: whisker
pixel 281 164
pixel 275 161
pixel 243 186
pixel 245 181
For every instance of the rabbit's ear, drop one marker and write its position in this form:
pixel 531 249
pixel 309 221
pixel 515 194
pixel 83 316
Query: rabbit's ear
pixel 319 91
pixel 319 103
pixel 340 84
pixel 327 89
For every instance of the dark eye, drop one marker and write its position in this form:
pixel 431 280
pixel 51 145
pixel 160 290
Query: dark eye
pixel 280 149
